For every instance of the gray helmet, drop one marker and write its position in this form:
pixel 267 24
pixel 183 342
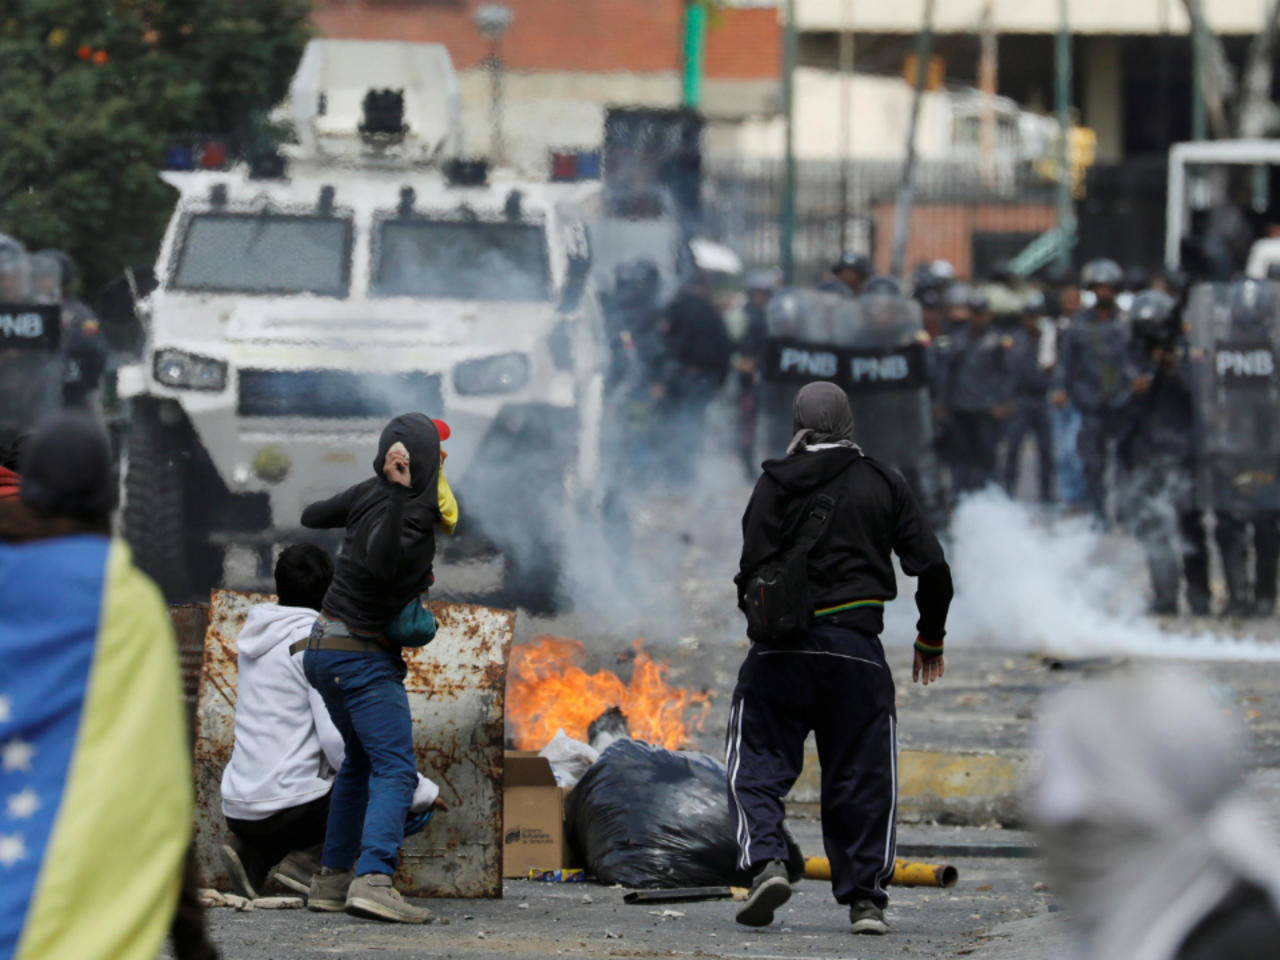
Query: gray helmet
pixel 978 302
pixel 853 261
pixel 1149 314
pixel 1253 304
pixel 1035 304
pixel 46 278
pixel 957 295
pixel 762 280
pixel 68 268
pixel 1101 273
pixel 15 271
pixel 882 286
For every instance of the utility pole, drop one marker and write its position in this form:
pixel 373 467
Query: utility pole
pixel 902 210
pixel 846 119
pixel 1062 98
pixel 695 46
pixel 787 234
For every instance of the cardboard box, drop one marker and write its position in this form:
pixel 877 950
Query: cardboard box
pixel 532 816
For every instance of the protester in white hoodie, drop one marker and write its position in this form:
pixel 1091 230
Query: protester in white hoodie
pixel 275 790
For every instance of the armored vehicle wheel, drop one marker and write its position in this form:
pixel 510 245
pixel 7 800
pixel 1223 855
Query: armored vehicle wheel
pixel 154 514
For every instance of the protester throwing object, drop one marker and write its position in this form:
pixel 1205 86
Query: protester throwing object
pixel 275 790
pixel 373 607
pixel 815 575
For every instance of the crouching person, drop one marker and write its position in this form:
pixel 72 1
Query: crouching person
pixel 275 790
pixel 826 517
pixel 372 608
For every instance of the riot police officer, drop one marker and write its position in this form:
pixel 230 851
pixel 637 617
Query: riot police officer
pixel 848 275
pixel 1031 360
pixel 84 349
pixel 1095 375
pixel 29 367
pixel 1239 443
pixel 1155 451
pixel 976 392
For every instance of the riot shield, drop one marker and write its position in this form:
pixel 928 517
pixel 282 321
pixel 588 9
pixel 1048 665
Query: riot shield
pixel 1236 386
pixel 30 364
pixel 873 347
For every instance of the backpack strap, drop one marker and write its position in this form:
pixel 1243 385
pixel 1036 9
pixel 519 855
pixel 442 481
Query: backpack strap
pixel 815 524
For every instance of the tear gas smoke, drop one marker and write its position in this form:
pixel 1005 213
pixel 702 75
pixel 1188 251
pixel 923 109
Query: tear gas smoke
pixel 1026 582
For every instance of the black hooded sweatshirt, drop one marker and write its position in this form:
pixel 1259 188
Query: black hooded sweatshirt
pixel 391 541
pixel 876 514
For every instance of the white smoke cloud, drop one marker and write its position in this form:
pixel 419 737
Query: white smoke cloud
pixel 1030 583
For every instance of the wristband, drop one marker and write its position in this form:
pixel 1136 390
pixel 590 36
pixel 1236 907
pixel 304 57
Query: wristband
pixel 927 649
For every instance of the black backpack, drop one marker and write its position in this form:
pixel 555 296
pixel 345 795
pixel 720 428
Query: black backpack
pixel 776 594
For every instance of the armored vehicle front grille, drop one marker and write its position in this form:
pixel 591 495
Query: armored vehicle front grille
pixel 337 394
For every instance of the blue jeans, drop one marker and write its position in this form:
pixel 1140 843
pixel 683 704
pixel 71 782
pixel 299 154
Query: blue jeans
pixel 366 699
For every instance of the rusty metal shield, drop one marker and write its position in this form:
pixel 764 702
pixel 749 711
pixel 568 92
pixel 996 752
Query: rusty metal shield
pixel 457 690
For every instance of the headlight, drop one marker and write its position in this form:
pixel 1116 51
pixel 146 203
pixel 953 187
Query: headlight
pixel 506 373
pixel 174 368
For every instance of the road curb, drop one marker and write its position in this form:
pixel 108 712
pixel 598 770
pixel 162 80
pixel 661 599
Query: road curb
pixel 943 786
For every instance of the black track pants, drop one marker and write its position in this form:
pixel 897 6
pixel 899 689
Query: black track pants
pixel 836 683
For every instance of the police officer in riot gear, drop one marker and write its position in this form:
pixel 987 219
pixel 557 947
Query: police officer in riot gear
pixel 752 354
pixel 848 275
pixel 84 349
pixel 1031 361
pixel 28 357
pixel 977 392
pixel 1238 444
pixel 1155 455
pixel 1095 375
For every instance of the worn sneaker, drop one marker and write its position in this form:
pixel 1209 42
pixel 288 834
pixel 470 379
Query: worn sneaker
pixel 236 859
pixel 296 871
pixel 770 890
pixel 373 896
pixel 328 891
pixel 866 917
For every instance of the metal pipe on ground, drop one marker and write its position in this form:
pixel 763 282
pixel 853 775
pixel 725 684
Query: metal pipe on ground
pixel 905 873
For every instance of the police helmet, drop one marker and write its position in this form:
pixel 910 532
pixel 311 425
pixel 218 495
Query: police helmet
pixel 1149 314
pixel 978 302
pixel 1035 305
pixel 958 295
pixel 762 280
pixel 15 270
pixel 1253 304
pixel 882 286
pixel 46 278
pixel 853 261
pixel 67 266
pixel 943 270
pixel 1102 273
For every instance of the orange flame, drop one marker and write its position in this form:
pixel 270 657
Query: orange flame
pixel 548 690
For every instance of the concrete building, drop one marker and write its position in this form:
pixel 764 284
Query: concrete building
pixel 1132 58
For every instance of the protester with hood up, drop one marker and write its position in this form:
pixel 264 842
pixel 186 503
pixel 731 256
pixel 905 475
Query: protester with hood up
pixel 354 661
pixel 97 770
pixel 1145 825
pixel 830 678
pixel 275 789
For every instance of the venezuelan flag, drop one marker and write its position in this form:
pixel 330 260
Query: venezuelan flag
pixel 95 776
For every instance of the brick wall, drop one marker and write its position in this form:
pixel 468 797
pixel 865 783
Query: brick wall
pixel 945 231
pixel 586 36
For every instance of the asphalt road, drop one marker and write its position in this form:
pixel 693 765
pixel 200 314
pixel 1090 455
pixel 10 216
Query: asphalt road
pixel 537 920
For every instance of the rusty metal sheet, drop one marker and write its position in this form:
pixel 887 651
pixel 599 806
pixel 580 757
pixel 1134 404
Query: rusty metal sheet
pixel 457 690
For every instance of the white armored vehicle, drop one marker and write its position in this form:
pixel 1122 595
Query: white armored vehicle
pixel 377 273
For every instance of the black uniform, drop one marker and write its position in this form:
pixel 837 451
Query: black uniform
pixel 835 682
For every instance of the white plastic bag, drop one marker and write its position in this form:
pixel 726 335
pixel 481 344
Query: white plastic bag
pixel 569 758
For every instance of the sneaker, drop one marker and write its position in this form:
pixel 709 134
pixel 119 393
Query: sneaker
pixel 296 871
pixel 770 890
pixel 234 858
pixel 328 891
pixel 373 896
pixel 866 917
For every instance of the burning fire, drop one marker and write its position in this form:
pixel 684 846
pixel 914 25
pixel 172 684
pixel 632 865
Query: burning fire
pixel 548 690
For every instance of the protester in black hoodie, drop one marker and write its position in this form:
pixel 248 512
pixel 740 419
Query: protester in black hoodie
pixel 835 681
pixel 384 567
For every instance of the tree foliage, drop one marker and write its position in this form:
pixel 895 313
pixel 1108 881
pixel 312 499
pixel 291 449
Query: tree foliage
pixel 92 93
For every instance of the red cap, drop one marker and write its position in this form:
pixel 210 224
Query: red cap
pixel 442 428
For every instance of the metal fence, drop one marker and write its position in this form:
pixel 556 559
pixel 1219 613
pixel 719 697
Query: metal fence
pixel 958 214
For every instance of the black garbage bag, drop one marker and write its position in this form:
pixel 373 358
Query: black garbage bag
pixel 648 818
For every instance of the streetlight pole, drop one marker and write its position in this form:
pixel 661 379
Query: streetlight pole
pixel 493 19
pixel 786 235
pixel 902 210
pixel 1062 96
